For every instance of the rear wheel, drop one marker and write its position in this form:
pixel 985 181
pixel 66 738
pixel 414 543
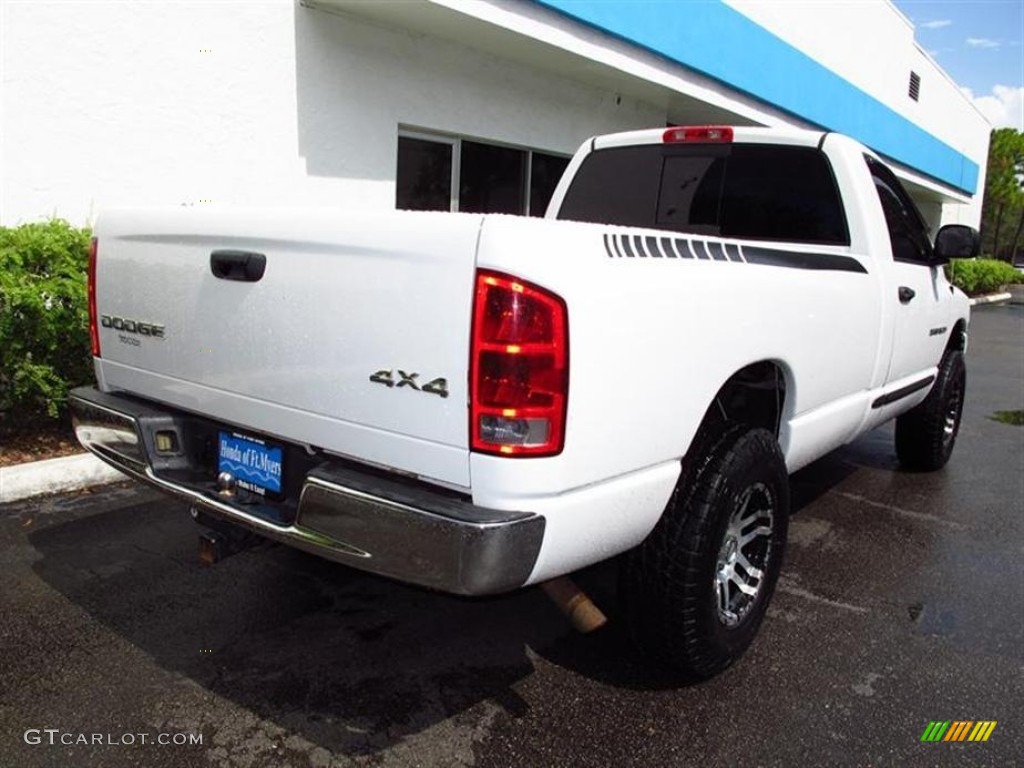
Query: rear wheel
pixel 926 434
pixel 695 591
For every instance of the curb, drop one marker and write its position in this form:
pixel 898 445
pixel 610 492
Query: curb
pixel 70 473
pixel 993 298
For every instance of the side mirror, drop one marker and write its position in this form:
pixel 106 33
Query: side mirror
pixel 956 241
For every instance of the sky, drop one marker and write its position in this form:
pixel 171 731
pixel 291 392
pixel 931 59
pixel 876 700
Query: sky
pixel 980 44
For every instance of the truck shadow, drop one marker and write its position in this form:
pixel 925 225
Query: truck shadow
pixel 350 662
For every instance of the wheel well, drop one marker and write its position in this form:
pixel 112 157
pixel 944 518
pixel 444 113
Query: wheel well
pixel 958 338
pixel 754 395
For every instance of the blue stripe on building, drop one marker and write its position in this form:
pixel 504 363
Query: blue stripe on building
pixel 717 41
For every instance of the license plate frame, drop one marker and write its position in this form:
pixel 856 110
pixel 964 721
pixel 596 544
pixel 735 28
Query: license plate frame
pixel 256 464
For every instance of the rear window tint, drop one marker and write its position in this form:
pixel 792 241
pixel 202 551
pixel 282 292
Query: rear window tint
pixel 751 191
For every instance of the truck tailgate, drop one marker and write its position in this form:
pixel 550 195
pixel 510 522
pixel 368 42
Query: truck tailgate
pixel 291 354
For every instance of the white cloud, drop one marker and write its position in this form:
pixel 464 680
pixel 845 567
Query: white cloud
pixel 937 24
pixel 983 42
pixel 1004 107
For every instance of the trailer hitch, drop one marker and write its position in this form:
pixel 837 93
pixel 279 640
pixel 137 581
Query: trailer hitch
pixel 221 539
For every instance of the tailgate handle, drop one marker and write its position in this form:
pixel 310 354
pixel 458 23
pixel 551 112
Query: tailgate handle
pixel 238 265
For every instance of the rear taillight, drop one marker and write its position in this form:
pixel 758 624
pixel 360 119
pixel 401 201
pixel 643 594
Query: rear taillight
pixel 519 368
pixel 698 134
pixel 94 327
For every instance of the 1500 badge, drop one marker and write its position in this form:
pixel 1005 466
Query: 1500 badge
pixel 387 378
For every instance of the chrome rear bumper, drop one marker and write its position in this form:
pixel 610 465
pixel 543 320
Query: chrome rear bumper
pixel 404 530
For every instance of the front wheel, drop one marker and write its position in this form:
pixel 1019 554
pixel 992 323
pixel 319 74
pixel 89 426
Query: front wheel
pixel 925 435
pixel 695 591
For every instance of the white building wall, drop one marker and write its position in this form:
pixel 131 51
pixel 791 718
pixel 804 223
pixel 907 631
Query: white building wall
pixel 110 103
pixel 359 81
pixel 867 42
pixel 871 44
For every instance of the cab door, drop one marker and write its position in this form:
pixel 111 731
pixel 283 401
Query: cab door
pixel 918 290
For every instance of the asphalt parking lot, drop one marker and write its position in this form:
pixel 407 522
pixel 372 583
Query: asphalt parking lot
pixel 901 603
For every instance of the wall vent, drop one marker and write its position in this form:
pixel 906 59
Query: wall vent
pixel 915 86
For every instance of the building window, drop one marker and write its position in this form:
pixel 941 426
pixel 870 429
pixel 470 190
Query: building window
pixel 493 179
pixel 424 174
pixel 915 86
pixel 440 173
pixel 545 172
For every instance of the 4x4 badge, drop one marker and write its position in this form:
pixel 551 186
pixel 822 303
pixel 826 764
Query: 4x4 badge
pixel 387 378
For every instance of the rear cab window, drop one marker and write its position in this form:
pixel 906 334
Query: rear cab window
pixel 743 191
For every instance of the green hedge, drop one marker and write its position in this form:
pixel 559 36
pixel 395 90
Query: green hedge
pixel 976 277
pixel 44 321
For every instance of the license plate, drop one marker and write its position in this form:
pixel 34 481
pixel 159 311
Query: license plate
pixel 256 465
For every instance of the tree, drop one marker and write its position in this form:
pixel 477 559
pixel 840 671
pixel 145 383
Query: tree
pixel 1002 213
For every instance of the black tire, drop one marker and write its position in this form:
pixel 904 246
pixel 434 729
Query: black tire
pixel 670 586
pixel 926 434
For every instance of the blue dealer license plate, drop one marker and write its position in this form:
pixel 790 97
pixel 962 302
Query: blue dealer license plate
pixel 256 466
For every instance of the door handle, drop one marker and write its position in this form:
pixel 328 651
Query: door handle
pixel 245 266
pixel 906 294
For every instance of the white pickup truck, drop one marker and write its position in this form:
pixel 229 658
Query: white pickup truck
pixel 475 403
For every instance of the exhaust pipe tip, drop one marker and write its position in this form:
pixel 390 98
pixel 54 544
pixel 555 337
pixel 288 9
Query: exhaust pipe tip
pixel 572 601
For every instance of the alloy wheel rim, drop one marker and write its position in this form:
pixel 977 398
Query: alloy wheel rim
pixel 952 415
pixel 744 555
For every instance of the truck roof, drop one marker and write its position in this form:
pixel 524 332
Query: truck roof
pixel 739 134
